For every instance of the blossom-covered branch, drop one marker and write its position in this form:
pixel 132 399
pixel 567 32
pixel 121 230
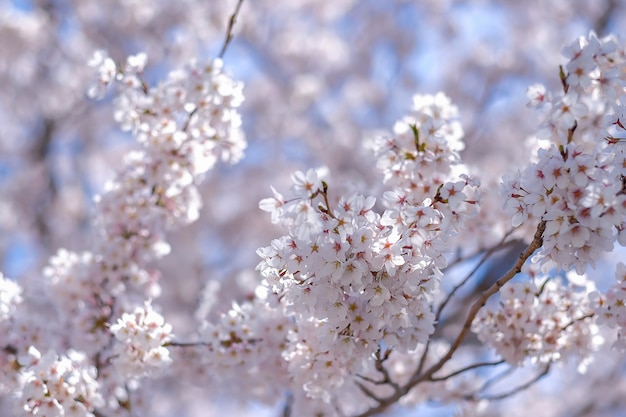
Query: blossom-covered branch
pixel 383 277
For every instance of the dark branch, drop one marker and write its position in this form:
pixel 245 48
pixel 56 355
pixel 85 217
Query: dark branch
pixel 602 23
pixel 485 257
pixel 419 377
pixel 229 30
pixel 536 243
pixel 188 344
pixel 499 377
pixel 467 368
pixel 516 389
pixel 288 404
pixel 369 393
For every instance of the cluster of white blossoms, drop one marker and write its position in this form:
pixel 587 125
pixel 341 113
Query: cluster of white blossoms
pixel 247 339
pixel 141 337
pixel 10 296
pixel 106 74
pixel 433 196
pixel 540 320
pixel 424 147
pixel 184 126
pixel 80 299
pixel 346 280
pixel 611 307
pixel 353 278
pixel 579 195
pixel 57 386
pixel 350 291
pixel 577 184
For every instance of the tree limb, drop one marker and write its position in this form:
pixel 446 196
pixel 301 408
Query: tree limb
pixel 229 29
pixel 419 377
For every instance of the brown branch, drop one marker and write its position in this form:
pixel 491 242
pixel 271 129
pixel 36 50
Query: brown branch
pixel 288 405
pixel 229 30
pixel 602 23
pixel 380 367
pixel 40 156
pixel 422 361
pixel 543 287
pixel 419 377
pixel 371 380
pixel 586 316
pixel 369 393
pixel 498 377
pixel 187 344
pixel 516 389
pixel 500 245
pixel 324 192
pixel 488 253
pixel 536 243
pixel 485 257
pixel 191 114
pixel 467 368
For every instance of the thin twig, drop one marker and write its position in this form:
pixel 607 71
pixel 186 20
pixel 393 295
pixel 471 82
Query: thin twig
pixel 380 367
pixel 186 125
pixel 586 316
pixel 324 191
pixel 507 372
pixel 499 246
pixel 517 389
pixel 485 257
pixel 422 362
pixel 467 368
pixel 288 405
pixel 536 243
pixel 543 286
pixel 371 380
pixel 602 22
pixel 418 377
pixel 369 393
pixel 229 30
pixel 187 344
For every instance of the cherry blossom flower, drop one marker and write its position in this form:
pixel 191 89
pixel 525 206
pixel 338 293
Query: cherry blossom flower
pixel 539 322
pixel 141 337
pixel 58 386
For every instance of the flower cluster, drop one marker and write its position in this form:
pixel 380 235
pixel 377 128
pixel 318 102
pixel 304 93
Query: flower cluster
pixel 611 307
pixel 70 277
pixel 141 339
pixel 10 298
pixel 184 126
pixel 349 280
pixel 54 386
pixel 580 197
pixel 432 196
pixel 249 338
pixel 352 277
pixel 10 295
pixel 425 145
pixel 353 298
pixel 105 72
pixel 541 321
pixel 577 183
pixel 593 86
